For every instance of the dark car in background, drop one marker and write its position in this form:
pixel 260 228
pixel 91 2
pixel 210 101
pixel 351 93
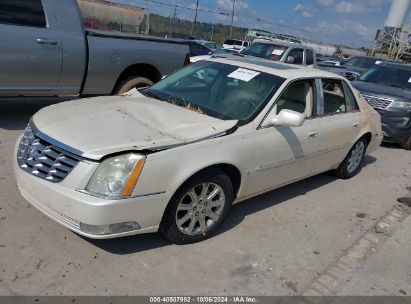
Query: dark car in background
pixel 199 48
pixel 353 67
pixel 387 88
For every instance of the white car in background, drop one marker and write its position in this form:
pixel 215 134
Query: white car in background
pixel 236 44
pixel 215 53
pixel 178 154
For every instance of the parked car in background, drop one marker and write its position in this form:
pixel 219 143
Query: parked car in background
pixel 352 68
pixel 175 156
pixel 46 51
pixel 235 44
pixel 387 88
pixel 215 53
pixel 328 60
pixel 196 48
pixel 282 51
pixel 210 44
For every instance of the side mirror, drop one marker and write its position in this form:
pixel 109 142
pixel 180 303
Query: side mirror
pixel 289 118
pixel 290 59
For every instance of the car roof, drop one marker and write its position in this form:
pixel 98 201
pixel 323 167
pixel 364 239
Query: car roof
pixel 285 70
pixel 397 65
pixel 283 43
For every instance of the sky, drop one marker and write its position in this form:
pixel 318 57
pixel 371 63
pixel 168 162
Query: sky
pixel 347 22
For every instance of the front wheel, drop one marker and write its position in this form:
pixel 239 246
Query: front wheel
pixel 198 208
pixel 352 163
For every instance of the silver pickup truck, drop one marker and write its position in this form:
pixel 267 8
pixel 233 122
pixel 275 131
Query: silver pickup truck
pixel 45 51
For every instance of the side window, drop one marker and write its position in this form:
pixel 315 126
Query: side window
pixel 298 55
pixel 309 57
pixel 22 12
pixel 299 97
pixel 334 99
pixel 352 104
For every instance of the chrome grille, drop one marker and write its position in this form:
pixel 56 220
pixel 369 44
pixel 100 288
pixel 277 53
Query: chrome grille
pixel 378 102
pixel 42 159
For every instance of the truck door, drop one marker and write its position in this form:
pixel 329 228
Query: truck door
pixel 31 51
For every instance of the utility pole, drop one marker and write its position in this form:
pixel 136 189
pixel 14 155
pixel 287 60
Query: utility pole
pixel 172 21
pixel 212 33
pixel 232 20
pixel 195 19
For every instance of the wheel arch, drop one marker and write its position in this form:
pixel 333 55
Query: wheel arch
pixel 139 70
pixel 230 170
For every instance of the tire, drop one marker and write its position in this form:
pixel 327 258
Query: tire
pixel 406 143
pixel 130 83
pixel 351 165
pixel 183 207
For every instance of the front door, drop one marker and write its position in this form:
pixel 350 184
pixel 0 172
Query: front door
pixel 286 154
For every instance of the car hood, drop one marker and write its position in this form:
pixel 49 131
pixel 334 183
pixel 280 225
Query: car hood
pixel 370 88
pixel 104 125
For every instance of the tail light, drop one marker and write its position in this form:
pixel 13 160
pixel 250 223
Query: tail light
pixel 187 60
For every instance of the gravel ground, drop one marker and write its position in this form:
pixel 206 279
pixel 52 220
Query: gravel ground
pixel 274 244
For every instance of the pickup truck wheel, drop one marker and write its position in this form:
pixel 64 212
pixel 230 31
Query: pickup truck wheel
pixel 198 208
pixel 352 163
pixel 406 143
pixel 132 82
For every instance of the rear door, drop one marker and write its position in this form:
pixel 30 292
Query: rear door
pixel 340 122
pixel 31 51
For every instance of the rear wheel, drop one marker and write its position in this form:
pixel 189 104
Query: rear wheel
pixel 406 143
pixel 198 208
pixel 130 83
pixel 352 163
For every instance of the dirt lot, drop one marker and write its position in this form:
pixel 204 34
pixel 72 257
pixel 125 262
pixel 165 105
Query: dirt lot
pixel 279 243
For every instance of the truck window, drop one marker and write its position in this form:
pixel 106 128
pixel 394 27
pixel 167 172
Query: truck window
pixel 298 55
pixel 22 12
pixel 309 57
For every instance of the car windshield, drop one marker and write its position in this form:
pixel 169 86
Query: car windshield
pixel 219 90
pixel 394 76
pixel 233 42
pixel 265 50
pixel 212 45
pixel 361 62
pixel 224 51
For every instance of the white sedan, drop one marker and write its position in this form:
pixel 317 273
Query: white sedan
pixel 176 156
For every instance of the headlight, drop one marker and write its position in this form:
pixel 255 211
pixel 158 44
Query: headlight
pixel 117 176
pixel 401 105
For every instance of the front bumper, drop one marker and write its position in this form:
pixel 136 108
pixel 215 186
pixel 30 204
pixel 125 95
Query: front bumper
pixel 75 210
pixel 395 126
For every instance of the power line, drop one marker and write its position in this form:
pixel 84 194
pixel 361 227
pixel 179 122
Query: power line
pixel 216 10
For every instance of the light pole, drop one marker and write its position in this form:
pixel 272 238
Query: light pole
pixel 172 21
pixel 232 20
pixel 195 19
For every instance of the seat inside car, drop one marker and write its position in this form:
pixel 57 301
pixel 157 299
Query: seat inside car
pixel 298 97
pixel 334 101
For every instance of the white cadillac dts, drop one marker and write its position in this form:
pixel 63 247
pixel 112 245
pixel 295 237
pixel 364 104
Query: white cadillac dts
pixel 175 156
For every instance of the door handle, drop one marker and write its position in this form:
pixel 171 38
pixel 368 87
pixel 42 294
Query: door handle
pixel 356 125
pixel 46 41
pixel 313 134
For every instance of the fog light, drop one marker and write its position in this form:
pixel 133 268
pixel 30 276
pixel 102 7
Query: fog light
pixel 109 229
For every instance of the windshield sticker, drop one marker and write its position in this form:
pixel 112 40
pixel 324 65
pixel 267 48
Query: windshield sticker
pixel 243 74
pixel 277 52
pixel 409 80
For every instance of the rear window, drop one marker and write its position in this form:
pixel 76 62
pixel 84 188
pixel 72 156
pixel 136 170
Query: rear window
pixel 22 12
pixel 233 42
